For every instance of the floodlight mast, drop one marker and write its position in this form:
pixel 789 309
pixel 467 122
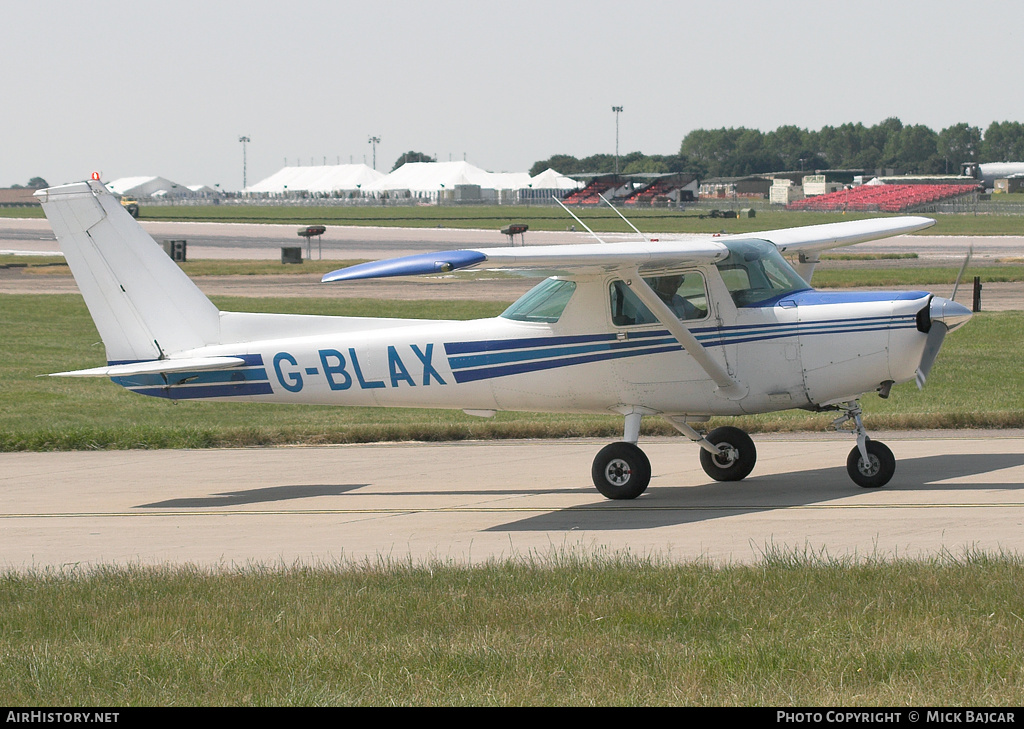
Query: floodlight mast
pixel 617 110
pixel 245 140
pixel 374 141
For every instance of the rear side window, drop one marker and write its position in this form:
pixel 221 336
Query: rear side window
pixel 684 293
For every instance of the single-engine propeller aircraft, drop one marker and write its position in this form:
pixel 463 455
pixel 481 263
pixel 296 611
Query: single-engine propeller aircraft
pixel 681 329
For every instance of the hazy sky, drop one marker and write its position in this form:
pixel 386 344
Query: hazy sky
pixel 147 88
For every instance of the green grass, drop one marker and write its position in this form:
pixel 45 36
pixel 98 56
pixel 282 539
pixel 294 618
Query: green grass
pixel 600 219
pixel 546 217
pixel 793 630
pixel 826 277
pixel 56 266
pixel 977 382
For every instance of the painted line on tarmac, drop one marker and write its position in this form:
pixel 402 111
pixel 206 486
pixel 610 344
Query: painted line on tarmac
pixel 597 508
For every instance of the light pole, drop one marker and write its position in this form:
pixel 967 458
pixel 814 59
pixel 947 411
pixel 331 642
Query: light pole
pixel 374 141
pixel 244 140
pixel 617 110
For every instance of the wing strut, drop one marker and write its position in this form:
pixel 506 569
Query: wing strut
pixel 599 240
pixel 622 216
pixel 728 387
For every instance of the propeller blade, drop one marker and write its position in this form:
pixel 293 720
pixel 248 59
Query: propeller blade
pixel 970 252
pixel 931 350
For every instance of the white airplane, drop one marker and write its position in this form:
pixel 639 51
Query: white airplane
pixel 681 329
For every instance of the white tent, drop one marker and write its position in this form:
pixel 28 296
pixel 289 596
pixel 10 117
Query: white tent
pixel 203 191
pixel 147 187
pixel 551 180
pixel 324 179
pixel 430 178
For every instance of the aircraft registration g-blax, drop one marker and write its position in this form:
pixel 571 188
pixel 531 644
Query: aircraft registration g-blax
pixel 680 329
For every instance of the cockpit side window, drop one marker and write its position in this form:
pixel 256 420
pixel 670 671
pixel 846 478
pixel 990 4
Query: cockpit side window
pixel 684 293
pixel 756 273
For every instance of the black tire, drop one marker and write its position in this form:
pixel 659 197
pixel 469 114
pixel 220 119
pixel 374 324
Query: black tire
pixel 880 467
pixel 621 471
pixel 722 469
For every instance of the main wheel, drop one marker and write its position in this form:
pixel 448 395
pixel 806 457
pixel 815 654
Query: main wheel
pixel 621 471
pixel 876 471
pixel 734 464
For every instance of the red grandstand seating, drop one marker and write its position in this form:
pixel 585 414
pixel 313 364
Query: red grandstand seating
pixel 590 195
pixel 881 198
pixel 646 194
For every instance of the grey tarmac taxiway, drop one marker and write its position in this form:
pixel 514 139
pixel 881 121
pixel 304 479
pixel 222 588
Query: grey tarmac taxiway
pixel 953 494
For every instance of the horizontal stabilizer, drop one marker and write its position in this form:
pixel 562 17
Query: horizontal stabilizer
pixel 157 367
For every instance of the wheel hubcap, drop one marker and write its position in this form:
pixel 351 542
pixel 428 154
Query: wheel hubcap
pixel 726 457
pixel 617 472
pixel 870 467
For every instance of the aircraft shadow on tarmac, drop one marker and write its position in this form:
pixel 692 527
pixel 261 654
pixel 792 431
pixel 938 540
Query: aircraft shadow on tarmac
pixel 665 505
pixel 255 496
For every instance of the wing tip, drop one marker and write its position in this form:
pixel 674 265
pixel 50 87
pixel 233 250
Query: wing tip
pixel 417 265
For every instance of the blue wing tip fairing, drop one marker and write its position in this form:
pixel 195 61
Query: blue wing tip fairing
pixel 417 265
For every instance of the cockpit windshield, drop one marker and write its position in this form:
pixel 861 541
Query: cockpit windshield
pixel 545 302
pixel 756 274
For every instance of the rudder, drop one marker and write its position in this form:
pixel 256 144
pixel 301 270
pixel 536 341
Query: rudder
pixel 143 304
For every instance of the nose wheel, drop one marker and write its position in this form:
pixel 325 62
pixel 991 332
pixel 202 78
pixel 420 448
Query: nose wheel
pixel 871 464
pixel 874 471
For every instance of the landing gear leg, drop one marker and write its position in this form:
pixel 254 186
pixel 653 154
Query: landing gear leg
pixel 871 464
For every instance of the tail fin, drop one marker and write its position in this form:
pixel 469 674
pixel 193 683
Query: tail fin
pixel 142 303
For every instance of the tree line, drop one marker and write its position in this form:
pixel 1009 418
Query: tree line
pixel 735 152
pixel 36 183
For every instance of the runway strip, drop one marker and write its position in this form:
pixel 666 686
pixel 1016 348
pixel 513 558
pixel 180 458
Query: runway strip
pixel 471 502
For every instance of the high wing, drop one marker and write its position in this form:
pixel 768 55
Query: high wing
pixel 646 256
pixel 817 238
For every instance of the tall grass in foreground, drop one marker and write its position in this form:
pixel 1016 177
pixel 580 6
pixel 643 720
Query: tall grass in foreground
pixel 793 630
pixel 977 382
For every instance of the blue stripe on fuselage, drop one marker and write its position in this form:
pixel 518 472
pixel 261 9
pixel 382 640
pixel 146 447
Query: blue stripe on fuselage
pixel 502 357
pixel 237 389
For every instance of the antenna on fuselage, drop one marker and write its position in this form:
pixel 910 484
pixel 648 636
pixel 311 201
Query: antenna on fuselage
pixel 577 219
